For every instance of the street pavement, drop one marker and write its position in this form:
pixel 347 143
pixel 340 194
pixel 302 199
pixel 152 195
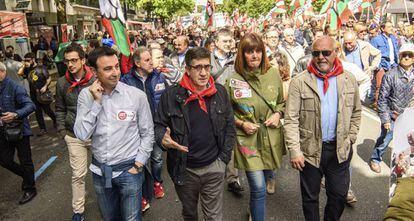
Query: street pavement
pixel 53 201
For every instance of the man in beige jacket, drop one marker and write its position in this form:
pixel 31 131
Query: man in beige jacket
pixel 322 120
pixel 363 55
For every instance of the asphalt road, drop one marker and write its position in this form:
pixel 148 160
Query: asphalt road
pixel 54 187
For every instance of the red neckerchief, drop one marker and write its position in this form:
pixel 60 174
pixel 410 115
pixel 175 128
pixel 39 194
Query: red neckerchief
pixel 211 90
pixel 165 70
pixel 83 81
pixel 337 70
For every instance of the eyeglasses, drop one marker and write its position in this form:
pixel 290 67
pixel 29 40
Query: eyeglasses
pixel 200 67
pixel 27 60
pixel 324 53
pixel 407 54
pixel 72 61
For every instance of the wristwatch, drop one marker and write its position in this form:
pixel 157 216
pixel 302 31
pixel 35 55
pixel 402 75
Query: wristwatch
pixel 138 168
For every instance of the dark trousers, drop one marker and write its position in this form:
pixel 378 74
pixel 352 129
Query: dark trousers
pixel 337 180
pixel 25 169
pixel 39 112
pixel 148 184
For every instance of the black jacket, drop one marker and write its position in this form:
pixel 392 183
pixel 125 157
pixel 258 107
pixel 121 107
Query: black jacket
pixel 173 113
pixel 66 104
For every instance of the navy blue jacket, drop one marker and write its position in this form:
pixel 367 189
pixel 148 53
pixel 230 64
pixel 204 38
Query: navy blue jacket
pixel 14 98
pixel 381 43
pixel 158 85
pixel 153 86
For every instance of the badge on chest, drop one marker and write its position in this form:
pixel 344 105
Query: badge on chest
pixel 160 87
pixel 234 83
pixel 125 115
pixel 242 93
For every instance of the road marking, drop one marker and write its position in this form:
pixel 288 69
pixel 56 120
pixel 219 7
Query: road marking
pixel 367 112
pixel 45 166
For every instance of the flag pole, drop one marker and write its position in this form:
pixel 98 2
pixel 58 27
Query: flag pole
pixel 361 15
pixel 373 12
pixel 406 11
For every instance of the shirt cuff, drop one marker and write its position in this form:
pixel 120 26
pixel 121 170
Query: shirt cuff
pixel 141 158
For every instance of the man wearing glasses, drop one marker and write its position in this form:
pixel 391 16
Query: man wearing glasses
pixel 195 124
pixel 322 120
pixel 68 87
pixel 396 93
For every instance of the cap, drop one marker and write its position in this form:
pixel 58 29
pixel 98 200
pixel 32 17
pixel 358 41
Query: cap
pixel 408 47
pixel 160 41
pixel 373 26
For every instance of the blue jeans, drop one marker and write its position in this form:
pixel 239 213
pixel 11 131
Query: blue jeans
pixel 382 143
pixel 123 200
pixel 257 184
pixel 269 175
pixel 156 163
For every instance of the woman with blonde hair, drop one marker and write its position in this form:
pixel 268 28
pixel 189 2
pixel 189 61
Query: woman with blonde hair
pixel 256 93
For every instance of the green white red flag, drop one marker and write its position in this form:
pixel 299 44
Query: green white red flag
pixel 114 22
pixel 209 12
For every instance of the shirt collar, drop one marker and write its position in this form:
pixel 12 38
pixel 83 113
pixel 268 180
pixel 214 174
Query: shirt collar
pixel 117 89
pixel 355 49
pixel 385 36
pixel 409 75
pixel 218 57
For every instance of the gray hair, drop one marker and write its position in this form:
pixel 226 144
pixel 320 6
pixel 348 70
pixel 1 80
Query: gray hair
pixel 2 66
pixel 136 57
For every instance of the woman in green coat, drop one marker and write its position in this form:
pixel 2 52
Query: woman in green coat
pixel 256 93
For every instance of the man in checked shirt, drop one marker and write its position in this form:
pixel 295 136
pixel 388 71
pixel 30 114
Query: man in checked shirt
pixel 117 118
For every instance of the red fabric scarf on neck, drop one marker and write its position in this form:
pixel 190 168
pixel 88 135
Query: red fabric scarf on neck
pixel 211 90
pixel 337 70
pixel 83 81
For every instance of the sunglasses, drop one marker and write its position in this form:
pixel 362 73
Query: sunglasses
pixel 407 54
pixel 324 53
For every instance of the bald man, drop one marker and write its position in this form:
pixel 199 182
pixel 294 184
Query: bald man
pixel 181 44
pixel 322 119
pixel 361 53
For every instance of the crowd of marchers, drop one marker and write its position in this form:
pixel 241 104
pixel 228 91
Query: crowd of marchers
pixel 218 102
